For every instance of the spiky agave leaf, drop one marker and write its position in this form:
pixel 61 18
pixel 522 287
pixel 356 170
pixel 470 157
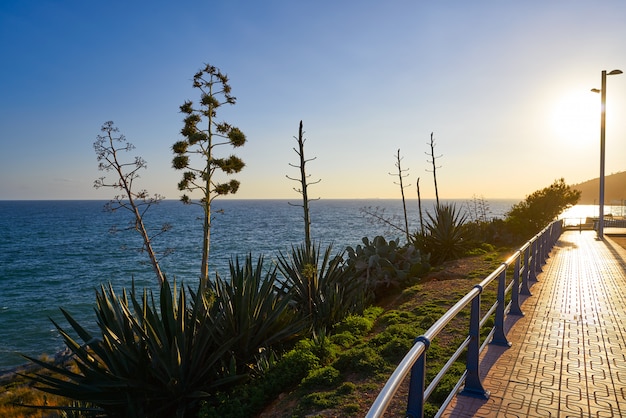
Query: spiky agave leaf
pixel 445 238
pixel 323 290
pixel 251 306
pixel 151 360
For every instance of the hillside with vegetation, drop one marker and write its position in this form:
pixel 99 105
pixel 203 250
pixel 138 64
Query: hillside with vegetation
pixel 614 189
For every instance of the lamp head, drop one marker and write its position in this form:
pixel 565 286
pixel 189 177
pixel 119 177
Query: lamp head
pixel 595 90
pixel 615 72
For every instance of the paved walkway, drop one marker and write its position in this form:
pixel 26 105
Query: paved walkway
pixel 568 353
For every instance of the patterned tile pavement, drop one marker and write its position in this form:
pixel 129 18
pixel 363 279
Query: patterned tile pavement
pixel 568 353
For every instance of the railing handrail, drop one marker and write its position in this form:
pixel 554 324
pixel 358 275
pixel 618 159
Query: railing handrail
pixel 533 252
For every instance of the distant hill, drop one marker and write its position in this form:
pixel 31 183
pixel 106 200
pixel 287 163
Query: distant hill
pixel 614 189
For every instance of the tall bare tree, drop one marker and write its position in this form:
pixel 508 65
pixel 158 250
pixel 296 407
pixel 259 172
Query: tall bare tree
pixel 401 175
pixel 433 162
pixel 203 133
pixel 108 148
pixel 419 206
pixel 304 185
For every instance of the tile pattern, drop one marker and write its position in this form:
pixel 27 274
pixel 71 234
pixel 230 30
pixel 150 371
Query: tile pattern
pixel 568 353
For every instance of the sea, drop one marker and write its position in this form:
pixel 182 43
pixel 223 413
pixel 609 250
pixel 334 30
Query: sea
pixel 56 254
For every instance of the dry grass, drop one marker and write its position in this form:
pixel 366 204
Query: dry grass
pixel 17 391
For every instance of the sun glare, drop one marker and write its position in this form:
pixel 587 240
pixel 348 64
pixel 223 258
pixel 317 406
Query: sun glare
pixel 576 120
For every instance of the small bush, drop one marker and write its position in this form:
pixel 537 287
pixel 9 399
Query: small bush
pixel 325 377
pixel 373 312
pixel 447 383
pixel 351 408
pixel 346 388
pixel 355 324
pixel 249 399
pixel 330 399
pixel 360 359
pixel 322 400
pixel 322 346
pixel 344 339
pixel 397 317
pixel 395 349
pixel 476 251
pixel 406 332
pixel 294 366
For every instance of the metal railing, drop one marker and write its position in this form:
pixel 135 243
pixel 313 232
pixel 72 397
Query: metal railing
pixel 525 263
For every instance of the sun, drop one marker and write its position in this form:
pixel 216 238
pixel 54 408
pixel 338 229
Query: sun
pixel 576 118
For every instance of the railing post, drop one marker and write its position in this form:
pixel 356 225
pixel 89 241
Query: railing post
pixel 499 336
pixel 526 276
pixel 515 308
pixel 558 230
pixel 540 251
pixel 473 385
pixel 417 383
pixel 546 245
pixel 536 263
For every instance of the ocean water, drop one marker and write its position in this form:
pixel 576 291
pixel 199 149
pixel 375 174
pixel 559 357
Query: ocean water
pixel 56 253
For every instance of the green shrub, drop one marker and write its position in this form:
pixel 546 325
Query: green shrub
pixel 344 339
pixel 249 399
pixel 397 317
pixel 323 400
pixel 351 408
pixel 320 345
pixel 403 331
pixel 294 366
pixel 327 399
pixel 396 348
pixel 346 388
pixel 430 410
pixel 481 249
pixel 447 383
pixel 325 377
pixel 429 309
pixel 362 359
pixel 373 312
pixel 357 325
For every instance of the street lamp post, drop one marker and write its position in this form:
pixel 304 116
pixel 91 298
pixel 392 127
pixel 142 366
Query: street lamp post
pixel 602 92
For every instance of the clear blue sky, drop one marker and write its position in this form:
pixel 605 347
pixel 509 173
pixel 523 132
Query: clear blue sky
pixel 503 85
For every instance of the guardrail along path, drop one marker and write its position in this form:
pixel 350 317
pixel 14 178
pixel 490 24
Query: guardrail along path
pixel 568 353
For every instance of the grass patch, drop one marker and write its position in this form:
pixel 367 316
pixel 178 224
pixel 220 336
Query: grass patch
pixel 18 391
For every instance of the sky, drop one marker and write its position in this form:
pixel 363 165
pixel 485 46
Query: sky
pixel 503 86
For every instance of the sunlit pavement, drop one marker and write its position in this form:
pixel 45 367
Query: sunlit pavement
pixel 568 353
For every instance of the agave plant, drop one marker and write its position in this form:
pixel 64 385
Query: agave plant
pixel 251 307
pixel 149 360
pixel 446 238
pixel 322 290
